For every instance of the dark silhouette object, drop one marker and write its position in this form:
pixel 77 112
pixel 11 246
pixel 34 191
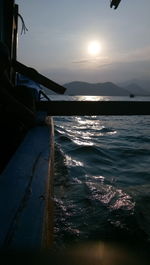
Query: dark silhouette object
pixel 17 112
pixel 115 3
pixel 131 95
pixel 32 74
pixel 8 99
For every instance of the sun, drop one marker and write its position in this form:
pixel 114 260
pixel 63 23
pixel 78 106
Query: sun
pixel 94 48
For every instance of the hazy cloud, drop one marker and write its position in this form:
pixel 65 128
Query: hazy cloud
pixel 82 61
pixel 114 72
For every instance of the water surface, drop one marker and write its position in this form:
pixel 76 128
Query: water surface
pixel 102 179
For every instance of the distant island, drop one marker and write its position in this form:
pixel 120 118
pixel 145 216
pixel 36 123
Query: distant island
pixel 103 89
pixel 133 87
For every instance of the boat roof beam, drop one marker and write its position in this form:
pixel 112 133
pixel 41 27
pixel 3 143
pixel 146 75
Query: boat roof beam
pixel 82 108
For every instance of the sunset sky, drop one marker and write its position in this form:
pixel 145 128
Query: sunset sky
pixel 85 40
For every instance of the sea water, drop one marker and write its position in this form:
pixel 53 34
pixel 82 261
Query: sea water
pixel 102 178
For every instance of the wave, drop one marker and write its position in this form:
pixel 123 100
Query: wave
pixel 102 184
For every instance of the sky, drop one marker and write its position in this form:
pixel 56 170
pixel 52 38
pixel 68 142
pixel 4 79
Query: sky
pixel 60 32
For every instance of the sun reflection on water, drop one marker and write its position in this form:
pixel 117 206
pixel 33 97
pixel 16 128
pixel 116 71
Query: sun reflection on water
pixel 73 162
pixel 93 98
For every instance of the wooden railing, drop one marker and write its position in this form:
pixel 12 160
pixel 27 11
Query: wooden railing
pixel 75 108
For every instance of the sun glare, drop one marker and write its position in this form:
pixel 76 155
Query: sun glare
pixel 94 48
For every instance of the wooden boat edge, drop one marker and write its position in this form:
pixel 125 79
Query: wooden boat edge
pixel 27 209
pixel 47 235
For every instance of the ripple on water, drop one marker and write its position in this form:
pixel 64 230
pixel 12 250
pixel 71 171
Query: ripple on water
pixel 102 188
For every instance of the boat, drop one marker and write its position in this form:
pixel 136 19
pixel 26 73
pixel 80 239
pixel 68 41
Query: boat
pixel 132 96
pixel 27 141
pixel 26 146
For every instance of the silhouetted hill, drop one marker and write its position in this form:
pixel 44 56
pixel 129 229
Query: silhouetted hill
pixel 100 89
pixel 136 90
pixel 137 86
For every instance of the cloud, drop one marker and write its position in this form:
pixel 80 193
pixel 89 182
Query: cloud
pixel 82 61
pixel 94 63
pixel 105 65
pixel 114 72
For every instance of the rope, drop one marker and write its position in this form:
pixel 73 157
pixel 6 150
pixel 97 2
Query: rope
pixel 24 28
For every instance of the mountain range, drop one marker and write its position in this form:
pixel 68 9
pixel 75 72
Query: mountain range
pixel 105 89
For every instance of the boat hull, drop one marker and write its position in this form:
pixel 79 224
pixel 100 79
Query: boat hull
pixel 26 192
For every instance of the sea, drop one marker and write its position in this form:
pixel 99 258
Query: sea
pixel 102 177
